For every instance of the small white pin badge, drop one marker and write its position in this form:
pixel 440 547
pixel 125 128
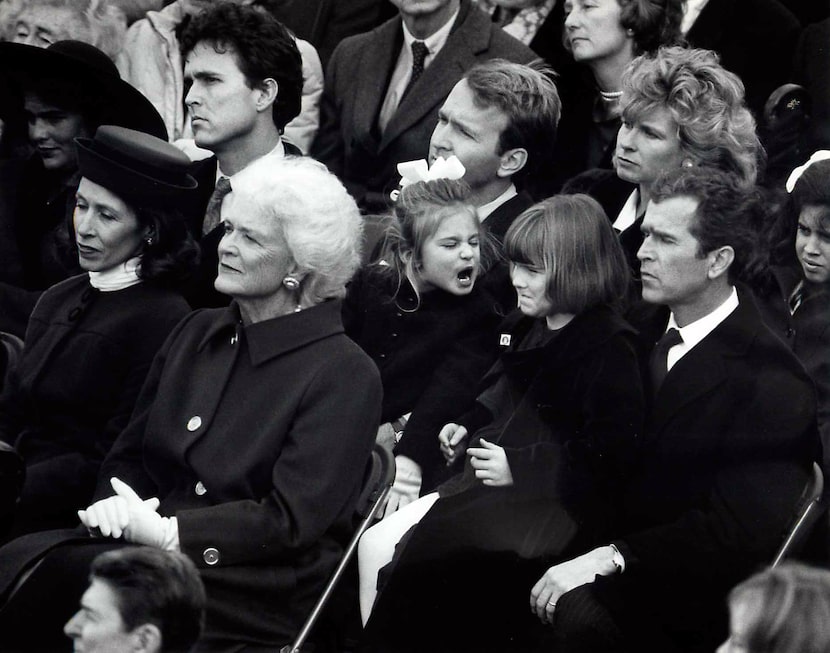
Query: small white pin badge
pixel 504 339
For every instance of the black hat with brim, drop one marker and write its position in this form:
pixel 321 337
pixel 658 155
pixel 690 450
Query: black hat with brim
pixel 140 169
pixel 73 60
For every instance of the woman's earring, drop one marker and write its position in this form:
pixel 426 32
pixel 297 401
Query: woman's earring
pixel 291 283
pixel 688 163
pixel 630 32
pixel 148 240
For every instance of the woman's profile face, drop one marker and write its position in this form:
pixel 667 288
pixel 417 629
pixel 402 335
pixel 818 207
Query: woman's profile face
pixel 812 243
pixel 107 231
pixel 647 147
pixel 253 255
pixel 450 257
pixel 594 32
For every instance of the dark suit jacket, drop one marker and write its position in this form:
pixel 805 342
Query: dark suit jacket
pixel 357 78
pixel 756 40
pixel 727 452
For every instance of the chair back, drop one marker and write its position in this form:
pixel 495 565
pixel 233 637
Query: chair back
pixel 377 482
pixel 810 508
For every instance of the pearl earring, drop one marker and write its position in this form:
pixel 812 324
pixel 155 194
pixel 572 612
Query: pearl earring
pixel 291 283
pixel 688 163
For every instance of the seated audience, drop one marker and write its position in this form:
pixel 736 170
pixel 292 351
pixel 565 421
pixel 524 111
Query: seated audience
pixel 781 610
pixel 679 108
pixel 43 22
pixel 603 37
pixel 253 429
pixel 91 338
pixel 67 90
pixel 422 317
pixel 795 299
pixel 728 446
pixel 384 88
pixel 139 600
pixel 152 61
pixel 547 443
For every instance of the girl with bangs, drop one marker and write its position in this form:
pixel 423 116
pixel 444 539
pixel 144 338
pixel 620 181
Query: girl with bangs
pixel 421 315
pixel 547 443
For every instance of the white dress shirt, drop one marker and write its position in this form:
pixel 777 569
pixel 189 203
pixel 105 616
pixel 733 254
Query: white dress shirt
pixel 696 331
pixel 485 210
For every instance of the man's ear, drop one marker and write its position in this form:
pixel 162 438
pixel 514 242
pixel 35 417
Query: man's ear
pixel 146 638
pixel 268 90
pixel 512 161
pixel 719 261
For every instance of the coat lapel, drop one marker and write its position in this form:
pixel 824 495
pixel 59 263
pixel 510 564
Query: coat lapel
pixel 378 59
pixel 706 366
pixel 470 36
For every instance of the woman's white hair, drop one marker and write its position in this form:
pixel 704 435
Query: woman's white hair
pixel 317 217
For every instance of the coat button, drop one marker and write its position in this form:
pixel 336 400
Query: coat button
pixel 194 423
pixel 211 556
pixel 200 488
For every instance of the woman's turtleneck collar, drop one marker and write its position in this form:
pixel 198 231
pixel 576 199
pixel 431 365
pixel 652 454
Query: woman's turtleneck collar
pixel 117 277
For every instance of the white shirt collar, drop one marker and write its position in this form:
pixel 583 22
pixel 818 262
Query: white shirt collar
pixel 278 151
pixel 696 331
pixel 691 11
pixel 628 213
pixel 485 210
pixel 434 42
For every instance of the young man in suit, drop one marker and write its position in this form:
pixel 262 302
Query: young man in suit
pixel 727 449
pixel 500 121
pixel 139 600
pixel 243 73
pixel 383 90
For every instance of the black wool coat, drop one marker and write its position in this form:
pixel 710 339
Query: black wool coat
pixel 431 354
pixel 85 358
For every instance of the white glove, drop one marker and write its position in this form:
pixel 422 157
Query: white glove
pixel 138 520
pixel 407 485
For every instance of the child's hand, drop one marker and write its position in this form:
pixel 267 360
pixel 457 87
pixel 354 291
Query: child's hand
pixel 450 437
pixel 490 463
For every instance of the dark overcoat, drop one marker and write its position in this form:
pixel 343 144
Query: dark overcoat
pixel 431 354
pixel 256 439
pixel 729 445
pixel 86 356
pixel 569 415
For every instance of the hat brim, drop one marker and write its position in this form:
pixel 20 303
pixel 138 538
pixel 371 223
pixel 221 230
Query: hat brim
pixel 127 183
pixel 126 105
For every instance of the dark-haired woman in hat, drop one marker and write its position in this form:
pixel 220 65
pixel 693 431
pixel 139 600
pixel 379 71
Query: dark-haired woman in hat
pixel 91 338
pixel 66 91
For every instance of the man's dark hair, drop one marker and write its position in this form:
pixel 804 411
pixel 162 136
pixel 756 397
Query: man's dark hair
pixel 263 47
pixel 157 587
pixel 727 214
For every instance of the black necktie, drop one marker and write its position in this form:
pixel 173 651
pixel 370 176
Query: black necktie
pixel 658 363
pixel 419 55
pixel 212 214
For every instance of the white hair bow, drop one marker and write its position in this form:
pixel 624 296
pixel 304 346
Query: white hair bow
pixel 414 171
pixel 795 175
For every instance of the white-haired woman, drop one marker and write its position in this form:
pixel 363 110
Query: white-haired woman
pixel 256 421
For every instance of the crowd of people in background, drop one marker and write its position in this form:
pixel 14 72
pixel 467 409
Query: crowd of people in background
pixel 568 260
